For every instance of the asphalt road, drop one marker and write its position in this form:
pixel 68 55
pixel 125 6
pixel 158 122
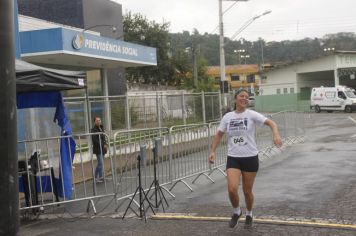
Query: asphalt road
pixel 312 182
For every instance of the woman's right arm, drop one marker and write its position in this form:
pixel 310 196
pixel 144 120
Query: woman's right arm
pixel 214 145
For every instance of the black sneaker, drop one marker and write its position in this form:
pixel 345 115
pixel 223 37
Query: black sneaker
pixel 234 220
pixel 248 222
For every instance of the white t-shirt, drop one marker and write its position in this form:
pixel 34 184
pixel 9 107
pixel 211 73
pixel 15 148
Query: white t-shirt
pixel 240 129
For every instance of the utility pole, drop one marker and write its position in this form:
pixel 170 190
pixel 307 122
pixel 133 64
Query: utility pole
pixel 193 50
pixel 221 45
pixel 9 197
pixel 195 65
pixel 222 51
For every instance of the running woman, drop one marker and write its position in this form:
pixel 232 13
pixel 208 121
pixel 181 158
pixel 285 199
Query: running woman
pixel 242 156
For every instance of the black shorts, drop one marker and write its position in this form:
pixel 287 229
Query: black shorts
pixel 247 164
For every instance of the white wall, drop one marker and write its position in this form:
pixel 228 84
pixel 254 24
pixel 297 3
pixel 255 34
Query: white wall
pixel 292 76
pixel 320 64
pixel 27 23
pixel 279 79
pixel 345 60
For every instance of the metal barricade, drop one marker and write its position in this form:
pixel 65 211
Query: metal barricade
pixel 184 154
pixel 221 151
pixel 188 151
pixel 126 150
pixel 291 126
pixel 48 178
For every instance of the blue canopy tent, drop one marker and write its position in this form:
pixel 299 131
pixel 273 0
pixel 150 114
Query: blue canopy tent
pixel 40 87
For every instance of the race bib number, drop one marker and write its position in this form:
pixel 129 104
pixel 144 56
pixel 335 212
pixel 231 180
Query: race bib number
pixel 238 140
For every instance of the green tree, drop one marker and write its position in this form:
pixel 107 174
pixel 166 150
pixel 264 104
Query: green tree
pixel 205 83
pixel 138 29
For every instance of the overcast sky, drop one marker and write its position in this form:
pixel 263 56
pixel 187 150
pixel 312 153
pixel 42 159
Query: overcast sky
pixel 289 19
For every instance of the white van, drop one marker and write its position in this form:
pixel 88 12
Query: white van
pixel 339 98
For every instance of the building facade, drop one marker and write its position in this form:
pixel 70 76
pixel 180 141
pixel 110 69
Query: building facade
pixel 79 35
pixel 238 76
pixel 98 15
pixel 289 87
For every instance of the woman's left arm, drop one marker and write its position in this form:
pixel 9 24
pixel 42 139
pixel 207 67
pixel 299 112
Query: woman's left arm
pixel 275 133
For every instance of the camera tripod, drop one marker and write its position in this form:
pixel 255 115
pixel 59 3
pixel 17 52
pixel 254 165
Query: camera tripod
pixel 142 196
pixel 155 184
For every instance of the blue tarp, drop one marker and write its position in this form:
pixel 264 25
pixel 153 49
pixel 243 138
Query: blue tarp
pixel 67 144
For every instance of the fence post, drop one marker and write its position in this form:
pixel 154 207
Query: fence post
pixel 285 125
pixel 203 105
pixel 158 107
pixel 183 109
pixel 170 153
pixel 127 110
pixel 220 106
pixel 144 112
pixel 88 113
pixel 107 107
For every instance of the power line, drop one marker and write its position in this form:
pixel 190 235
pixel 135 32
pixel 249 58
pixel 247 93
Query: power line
pixel 217 27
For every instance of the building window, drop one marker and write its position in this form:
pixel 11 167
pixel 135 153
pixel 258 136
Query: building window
pixel 278 91
pixel 285 90
pixel 251 79
pixel 235 78
pixel 291 90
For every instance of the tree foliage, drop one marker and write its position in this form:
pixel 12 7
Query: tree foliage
pixel 174 55
pixel 137 29
pixel 261 51
pixel 175 52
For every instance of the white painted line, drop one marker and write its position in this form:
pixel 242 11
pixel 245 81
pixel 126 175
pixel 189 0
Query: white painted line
pixel 352 119
pixel 319 223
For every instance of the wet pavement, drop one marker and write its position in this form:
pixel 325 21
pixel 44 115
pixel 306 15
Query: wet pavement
pixel 314 181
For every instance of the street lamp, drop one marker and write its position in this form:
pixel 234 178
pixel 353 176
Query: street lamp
pixel 247 23
pixel 221 47
pixel 245 56
pixel 113 27
pixel 329 49
pixel 239 54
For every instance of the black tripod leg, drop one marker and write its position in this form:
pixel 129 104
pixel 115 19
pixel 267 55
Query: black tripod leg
pixel 149 203
pixel 162 199
pixel 129 206
pixel 142 209
pixel 149 189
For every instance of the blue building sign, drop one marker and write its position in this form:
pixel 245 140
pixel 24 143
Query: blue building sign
pixel 58 42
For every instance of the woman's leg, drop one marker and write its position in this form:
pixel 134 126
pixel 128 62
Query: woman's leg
pixel 248 179
pixel 233 180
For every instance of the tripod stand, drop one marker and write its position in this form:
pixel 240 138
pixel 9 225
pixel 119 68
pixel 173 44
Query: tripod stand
pixel 142 196
pixel 155 184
